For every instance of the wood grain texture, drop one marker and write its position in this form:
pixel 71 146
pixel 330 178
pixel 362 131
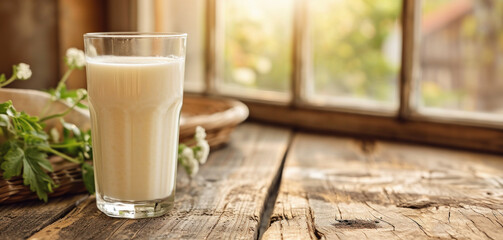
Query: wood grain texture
pixel 29 34
pixel 410 33
pixel 450 134
pixel 121 15
pixel 19 221
pixel 340 188
pixel 77 17
pixel 226 200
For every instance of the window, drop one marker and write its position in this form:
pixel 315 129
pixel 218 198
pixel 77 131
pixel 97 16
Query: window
pixel 461 59
pixel 428 71
pixel 255 48
pixel 355 49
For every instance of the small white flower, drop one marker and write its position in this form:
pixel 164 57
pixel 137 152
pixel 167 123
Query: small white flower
pixel 81 93
pixel 54 134
pixel 23 71
pixel 204 151
pixel 75 58
pixel 200 133
pixel 190 162
pixel 187 153
pixel 194 165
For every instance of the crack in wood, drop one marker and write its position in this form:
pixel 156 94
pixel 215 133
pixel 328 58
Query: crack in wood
pixel 311 225
pixel 218 220
pixel 449 216
pixel 475 225
pixel 21 220
pixel 381 219
pixel 496 218
pixel 65 212
pixel 482 215
pixel 115 230
pixel 266 219
pixel 452 237
pixel 419 225
pixel 387 195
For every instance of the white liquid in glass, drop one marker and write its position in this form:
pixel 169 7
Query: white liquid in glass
pixel 135 106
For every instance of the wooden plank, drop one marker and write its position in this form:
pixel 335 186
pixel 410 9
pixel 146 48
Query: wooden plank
pixel 28 31
pixel 302 52
pixel 226 200
pixel 212 35
pixel 121 15
pixel 76 17
pixel 21 220
pixel 424 131
pixel 410 34
pixel 352 189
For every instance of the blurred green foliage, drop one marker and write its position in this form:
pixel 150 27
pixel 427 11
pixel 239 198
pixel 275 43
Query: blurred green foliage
pixel 258 44
pixel 356 50
pixel 347 39
pixel 349 44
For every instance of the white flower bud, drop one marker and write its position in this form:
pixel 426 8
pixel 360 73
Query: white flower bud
pixel 204 151
pixel 187 153
pixel 23 71
pixel 194 165
pixel 75 58
pixel 81 93
pixel 200 133
pixel 189 161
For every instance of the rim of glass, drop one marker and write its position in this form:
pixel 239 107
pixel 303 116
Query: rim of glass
pixel 135 35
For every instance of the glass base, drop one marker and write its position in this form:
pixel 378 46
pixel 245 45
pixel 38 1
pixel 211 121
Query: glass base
pixel 134 209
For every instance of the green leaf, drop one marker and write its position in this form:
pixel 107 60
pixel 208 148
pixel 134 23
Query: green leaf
pixel 2 78
pixel 64 93
pixel 33 174
pixel 12 160
pixel 21 153
pixel 88 177
pixel 40 157
pixel 83 106
pixel 5 106
pixel 74 149
pixel 31 162
pixel 4 120
pixel 25 152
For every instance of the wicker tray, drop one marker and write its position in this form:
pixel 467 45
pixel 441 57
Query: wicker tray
pixel 218 116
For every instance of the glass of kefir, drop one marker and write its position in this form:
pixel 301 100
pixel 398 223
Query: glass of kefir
pixel 135 85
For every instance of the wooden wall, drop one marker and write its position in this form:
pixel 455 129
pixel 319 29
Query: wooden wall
pixel 75 18
pixel 38 32
pixel 29 33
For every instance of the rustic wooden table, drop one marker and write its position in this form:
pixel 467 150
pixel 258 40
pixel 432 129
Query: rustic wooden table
pixel 331 187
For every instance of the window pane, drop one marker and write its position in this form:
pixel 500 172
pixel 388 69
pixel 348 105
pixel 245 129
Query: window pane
pixel 461 56
pixel 356 52
pixel 257 46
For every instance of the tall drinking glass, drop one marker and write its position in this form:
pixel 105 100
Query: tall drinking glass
pixel 135 85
